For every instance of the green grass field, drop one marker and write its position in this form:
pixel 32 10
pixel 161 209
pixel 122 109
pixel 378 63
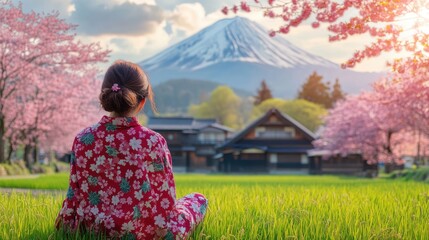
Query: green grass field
pixel 256 207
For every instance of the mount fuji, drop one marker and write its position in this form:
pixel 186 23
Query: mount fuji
pixel 240 53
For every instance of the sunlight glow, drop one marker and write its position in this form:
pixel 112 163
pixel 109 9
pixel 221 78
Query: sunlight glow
pixel 417 21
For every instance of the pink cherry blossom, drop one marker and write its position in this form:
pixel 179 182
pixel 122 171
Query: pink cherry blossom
pixel 383 20
pixel 48 80
pixel 382 125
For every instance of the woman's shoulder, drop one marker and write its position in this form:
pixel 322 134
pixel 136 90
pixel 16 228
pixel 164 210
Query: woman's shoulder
pixel 152 135
pixel 87 135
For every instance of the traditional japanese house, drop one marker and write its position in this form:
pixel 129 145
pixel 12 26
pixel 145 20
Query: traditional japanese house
pixel 325 162
pixel 274 143
pixel 192 142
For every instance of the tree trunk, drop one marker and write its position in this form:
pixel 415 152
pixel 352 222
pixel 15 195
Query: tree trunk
pixel 51 156
pixel 36 154
pixel 2 146
pixel 418 161
pixel 27 156
pixel 389 166
pixel 9 154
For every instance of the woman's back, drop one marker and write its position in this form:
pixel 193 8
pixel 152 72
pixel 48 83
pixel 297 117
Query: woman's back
pixel 122 177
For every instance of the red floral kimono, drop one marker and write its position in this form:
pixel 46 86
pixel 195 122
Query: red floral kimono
pixel 121 183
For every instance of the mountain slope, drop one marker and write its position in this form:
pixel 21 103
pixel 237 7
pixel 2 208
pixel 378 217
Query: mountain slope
pixel 239 52
pixel 233 40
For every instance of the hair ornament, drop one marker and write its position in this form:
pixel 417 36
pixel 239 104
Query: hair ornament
pixel 115 87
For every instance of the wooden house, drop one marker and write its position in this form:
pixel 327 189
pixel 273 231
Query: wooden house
pixel 325 162
pixel 192 142
pixel 274 143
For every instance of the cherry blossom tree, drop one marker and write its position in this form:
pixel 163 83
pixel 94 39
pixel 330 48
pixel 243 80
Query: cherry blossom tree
pixel 46 79
pixel 409 94
pixel 382 125
pixel 398 25
pixel 53 115
pixel 358 125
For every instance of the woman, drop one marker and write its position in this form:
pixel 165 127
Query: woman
pixel 121 179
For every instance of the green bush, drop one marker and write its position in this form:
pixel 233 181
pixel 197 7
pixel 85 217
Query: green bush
pixel 19 168
pixel 15 168
pixel 54 167
pixel 420 174
pixel 2 171
pixel 41 169
pixel 61 167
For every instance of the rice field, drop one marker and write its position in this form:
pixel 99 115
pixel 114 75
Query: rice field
pixel 255 207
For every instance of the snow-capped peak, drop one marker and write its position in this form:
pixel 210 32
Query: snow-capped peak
pixel 233 40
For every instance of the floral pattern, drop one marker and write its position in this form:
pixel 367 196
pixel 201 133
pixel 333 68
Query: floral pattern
pixel 121 183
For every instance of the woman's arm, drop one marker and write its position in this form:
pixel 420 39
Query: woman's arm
pixel 160 173
pixel 67 215
pixel 168 167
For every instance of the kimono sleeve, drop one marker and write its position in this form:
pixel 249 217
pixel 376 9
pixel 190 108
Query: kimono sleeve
pixel 162 182
pixel 168 167
pixel 67 217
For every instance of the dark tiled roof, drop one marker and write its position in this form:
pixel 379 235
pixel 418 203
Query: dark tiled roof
pixel 289 150
pixel 275 142
pixel 182 148
pixel 183 123
pixel 276 149
pixel 220 126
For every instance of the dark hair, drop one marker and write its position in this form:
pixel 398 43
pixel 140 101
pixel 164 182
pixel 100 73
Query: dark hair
pixel 134 86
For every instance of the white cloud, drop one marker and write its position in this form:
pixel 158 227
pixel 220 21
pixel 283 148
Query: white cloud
pixel 188 17
pixel 119 2
pixel 131 48
pixel 127 18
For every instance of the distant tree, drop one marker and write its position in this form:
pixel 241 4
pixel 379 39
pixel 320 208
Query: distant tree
pixel 266 105
pixel 307 113
pixel 264 93
pixel 337 93
pixel 223 105
pixel 316 91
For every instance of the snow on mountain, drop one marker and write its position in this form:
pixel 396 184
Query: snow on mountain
pixel 240 53
pixel 233 40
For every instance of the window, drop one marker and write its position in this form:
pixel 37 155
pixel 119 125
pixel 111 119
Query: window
pixel 170 136
pixel 275 132
pixel 220 137
pixel 304 159
pixel 176 154
pixel 201 137
pixel 206 151
pixel 273 158
pixel 211 137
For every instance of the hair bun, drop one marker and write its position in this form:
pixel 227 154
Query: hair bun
pixel 120 101
pixel 124 86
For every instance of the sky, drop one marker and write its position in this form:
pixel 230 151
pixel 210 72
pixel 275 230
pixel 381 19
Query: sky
pixel 137 29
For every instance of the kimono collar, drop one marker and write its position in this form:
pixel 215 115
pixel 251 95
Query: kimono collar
pixel 119 121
